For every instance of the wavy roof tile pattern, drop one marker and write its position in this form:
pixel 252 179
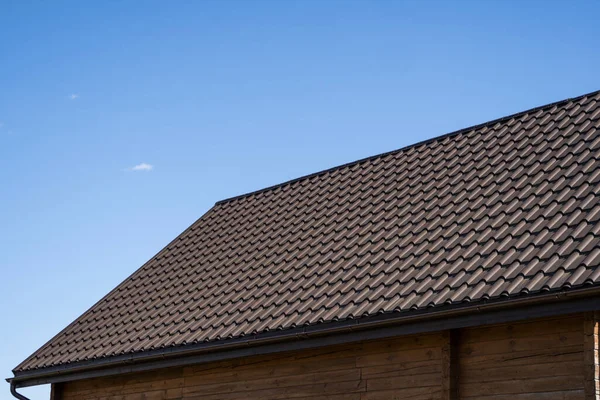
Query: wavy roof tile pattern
pixel 508 208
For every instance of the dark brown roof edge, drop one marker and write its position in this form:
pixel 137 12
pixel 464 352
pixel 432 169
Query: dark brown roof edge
pixel 426 141
pixel 117 287
pixel 347 331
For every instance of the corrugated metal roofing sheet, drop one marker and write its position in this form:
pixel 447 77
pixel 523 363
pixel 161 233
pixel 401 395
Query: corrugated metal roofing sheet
pixel 508 208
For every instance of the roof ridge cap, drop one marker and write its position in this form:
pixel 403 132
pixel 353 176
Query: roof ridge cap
pixel 420 143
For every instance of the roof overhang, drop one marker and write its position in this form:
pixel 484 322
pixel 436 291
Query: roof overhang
pixel 382 326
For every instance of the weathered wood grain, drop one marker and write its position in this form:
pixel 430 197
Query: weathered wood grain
pixel 546 359
pixel 529 360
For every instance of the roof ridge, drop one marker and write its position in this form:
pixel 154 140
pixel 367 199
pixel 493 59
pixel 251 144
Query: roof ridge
pixel 422 142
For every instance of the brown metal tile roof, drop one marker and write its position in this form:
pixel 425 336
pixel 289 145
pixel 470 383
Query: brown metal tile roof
pixel 507 208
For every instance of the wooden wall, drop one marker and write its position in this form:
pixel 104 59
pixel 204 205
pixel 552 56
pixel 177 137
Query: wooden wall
pixel 537 359
pixel 533 360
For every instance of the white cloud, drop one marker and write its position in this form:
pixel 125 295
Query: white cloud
pixel 74 96
pixel 142 167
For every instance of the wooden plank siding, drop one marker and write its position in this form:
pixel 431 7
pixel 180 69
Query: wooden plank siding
pixel 535 359
pixel 539 359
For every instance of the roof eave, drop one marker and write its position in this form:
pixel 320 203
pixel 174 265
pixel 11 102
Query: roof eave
pixel 347 331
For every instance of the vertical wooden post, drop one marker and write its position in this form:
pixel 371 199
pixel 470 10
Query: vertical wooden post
pixel 590 355
pixel 56 391
pixel 450 365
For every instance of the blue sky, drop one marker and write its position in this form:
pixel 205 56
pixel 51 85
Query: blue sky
pixel 213 99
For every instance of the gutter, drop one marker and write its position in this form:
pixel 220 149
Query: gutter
pixel 13 391
pixel 369 328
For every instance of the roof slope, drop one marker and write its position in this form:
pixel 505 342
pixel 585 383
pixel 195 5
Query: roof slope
pixel 508 208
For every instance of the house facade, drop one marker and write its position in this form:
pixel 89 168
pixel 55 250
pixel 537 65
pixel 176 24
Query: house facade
pixel 463 267
pixel 541 358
